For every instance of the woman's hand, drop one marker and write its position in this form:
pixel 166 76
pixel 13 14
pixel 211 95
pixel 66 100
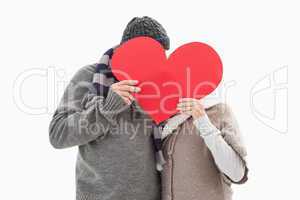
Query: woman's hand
pixel 191 106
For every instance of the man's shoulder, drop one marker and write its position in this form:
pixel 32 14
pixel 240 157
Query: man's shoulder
pixel 85 73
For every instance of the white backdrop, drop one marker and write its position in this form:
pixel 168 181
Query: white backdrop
pixel 43 43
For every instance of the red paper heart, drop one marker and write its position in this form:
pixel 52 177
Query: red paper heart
pixel 193 70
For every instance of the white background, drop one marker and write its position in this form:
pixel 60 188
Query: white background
pixel 53 39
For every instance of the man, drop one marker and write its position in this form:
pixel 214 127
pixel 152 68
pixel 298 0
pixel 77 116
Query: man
pixel 116 157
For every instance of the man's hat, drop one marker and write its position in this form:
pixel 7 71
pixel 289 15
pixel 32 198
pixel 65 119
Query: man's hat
pixel 146 26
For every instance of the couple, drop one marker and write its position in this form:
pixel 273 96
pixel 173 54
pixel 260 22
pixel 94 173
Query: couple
pixel 195 154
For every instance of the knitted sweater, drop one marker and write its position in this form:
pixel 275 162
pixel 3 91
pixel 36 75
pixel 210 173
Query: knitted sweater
pixel 116 159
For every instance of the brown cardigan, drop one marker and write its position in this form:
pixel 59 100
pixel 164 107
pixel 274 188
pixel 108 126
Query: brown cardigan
pixel 190 172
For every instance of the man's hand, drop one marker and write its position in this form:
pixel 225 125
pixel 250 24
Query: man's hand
pixel 125 89
pixel 191 106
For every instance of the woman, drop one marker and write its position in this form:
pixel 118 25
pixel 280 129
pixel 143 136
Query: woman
pixel 204 152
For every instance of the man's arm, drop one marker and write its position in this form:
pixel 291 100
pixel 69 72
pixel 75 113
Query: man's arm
pixel 81 115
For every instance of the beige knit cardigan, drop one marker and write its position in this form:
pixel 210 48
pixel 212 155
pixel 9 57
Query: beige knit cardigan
pixel 190 172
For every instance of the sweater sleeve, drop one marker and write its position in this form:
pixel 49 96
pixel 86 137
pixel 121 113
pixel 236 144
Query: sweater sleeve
pixel 82 116
pixel 227 160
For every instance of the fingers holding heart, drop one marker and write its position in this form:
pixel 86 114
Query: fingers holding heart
pixel 125 89
pixel 191 106
pixel 128 98
pixel 187 103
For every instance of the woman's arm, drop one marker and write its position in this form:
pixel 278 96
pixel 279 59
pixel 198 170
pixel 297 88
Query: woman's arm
pixel 228 151
pixel 227 160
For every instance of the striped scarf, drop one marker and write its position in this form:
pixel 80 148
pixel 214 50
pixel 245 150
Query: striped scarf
pixel 102 80
pixel 103 76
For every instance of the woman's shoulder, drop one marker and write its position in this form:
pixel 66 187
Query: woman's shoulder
pixel 219 108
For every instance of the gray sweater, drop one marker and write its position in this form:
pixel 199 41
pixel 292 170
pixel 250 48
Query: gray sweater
pixel 115 151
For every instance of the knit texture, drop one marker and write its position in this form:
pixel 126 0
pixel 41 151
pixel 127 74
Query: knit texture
pixel 190 171
pixel 116 157
pixel 102 80
pixel 146 26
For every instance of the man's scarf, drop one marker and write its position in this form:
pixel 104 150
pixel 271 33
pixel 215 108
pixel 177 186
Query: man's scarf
pixel 103 76
pixel 102 80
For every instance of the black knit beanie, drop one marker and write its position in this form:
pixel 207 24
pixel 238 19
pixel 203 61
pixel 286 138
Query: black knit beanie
pixel 146 26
